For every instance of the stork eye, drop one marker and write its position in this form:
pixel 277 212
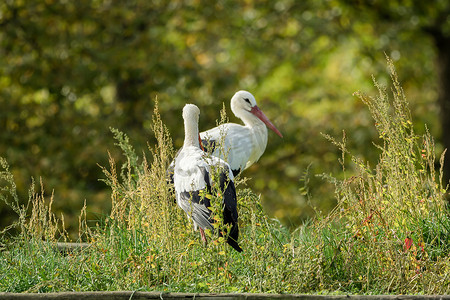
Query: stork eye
pixel 247 100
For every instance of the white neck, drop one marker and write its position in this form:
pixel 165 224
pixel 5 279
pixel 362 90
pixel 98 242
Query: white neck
pixel 191 133
pixel 257 126
pixel 249 119
pixel 260 133
pixel 259 137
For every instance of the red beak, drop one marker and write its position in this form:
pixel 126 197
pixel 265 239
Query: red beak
pixel 200 143
pixel 257 112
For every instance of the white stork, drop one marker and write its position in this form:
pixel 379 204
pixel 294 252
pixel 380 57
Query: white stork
pixel 193 179
pixel 244 144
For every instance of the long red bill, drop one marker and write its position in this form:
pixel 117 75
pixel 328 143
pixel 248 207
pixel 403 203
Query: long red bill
pixel 257 112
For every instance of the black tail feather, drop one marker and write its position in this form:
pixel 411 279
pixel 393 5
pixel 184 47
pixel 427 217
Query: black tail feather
pixel 233 243
pixel 233 236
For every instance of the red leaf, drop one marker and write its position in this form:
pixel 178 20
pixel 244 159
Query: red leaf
pixel 408 243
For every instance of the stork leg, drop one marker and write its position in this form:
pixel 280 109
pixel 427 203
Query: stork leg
pixel 202 234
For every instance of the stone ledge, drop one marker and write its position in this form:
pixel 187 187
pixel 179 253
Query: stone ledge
pixel 122 295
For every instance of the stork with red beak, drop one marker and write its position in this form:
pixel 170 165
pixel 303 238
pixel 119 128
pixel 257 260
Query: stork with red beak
pixel 194 180
pixel 244 144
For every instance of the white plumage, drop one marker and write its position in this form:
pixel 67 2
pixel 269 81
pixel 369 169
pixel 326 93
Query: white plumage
pixel 193 178
pixel 244 144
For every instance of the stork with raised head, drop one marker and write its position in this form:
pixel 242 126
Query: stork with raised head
pixel 193 182
pixel 244 144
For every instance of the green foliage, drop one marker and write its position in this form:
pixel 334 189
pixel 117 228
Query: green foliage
pixel 71 71
pixel 385 240
pixel 388 234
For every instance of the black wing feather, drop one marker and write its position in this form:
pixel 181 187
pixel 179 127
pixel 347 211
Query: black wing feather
pixel 230 213
pixel 209 145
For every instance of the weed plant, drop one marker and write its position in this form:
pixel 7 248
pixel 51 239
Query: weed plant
pixel 390 232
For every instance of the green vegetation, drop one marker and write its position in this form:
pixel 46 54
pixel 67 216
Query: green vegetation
pixel 70 70
pixel 389 232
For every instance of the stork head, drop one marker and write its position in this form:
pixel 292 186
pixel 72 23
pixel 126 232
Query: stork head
pixel 243 105
pixel 191 112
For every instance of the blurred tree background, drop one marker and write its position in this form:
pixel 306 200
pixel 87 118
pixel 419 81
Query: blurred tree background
pixel 69 70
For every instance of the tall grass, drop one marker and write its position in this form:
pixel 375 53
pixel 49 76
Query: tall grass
pixel 388 234
pixel 397 227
